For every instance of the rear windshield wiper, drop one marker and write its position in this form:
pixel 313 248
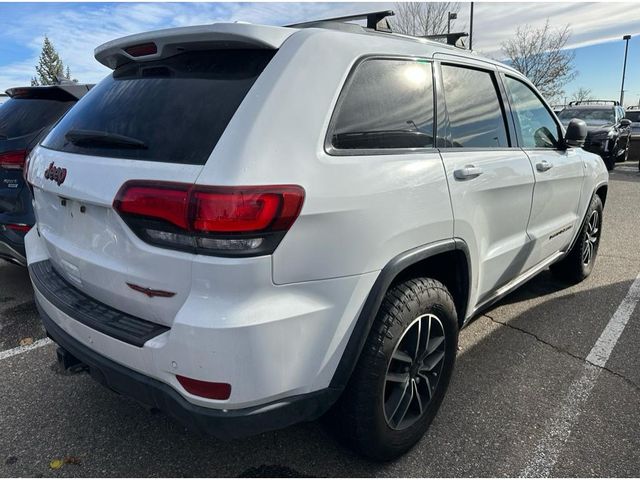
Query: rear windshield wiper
pixel 103 139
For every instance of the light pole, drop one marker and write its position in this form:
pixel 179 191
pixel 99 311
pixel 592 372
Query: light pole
pixel 471 28
pixel 452 16
pixel 624 67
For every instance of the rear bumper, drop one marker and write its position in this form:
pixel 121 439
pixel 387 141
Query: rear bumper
pixel 153 393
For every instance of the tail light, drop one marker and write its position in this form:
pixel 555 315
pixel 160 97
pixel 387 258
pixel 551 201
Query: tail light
pixel 13 160
pixel 18 227
pixel 222 221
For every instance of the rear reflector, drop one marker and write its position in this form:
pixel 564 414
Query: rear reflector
pixel 142 49
pixel 13 160
pixel 225 221
pixel 212 390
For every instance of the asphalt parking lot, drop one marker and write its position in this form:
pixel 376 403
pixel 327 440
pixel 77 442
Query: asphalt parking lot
pixel 523 401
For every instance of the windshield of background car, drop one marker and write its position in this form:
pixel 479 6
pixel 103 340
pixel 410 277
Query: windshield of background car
pixel 24 116
pixel 592 117
pixel 170 110
pixel 633 115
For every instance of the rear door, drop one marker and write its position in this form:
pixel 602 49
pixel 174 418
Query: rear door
pixel 559 172
pixel 490 179
pixel 157 121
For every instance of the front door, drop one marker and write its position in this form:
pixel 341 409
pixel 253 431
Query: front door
pixel 559 172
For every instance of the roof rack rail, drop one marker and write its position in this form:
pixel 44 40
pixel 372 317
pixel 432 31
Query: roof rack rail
pixel 451 38
pixel 594 102
pixel 375 20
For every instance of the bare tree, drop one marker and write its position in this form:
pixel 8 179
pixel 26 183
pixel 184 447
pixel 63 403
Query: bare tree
pixel 422 18
pixel 581 94
pixel 539 54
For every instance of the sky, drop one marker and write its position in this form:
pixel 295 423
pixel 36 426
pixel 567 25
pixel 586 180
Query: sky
pixel 77 28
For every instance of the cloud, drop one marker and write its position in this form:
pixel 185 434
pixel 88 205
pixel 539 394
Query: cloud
pixel 77 28
pixel 590 23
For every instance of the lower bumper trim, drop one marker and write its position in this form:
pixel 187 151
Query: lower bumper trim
pixel 153 393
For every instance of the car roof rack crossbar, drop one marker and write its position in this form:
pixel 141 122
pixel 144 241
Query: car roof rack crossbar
pixel 375 20
pixel 450 38
pixel 594 102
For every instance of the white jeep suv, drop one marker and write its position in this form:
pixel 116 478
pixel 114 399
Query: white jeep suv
pixel 249 226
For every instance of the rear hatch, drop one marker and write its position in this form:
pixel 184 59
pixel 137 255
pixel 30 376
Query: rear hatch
pixel 157 118
pixel 23 118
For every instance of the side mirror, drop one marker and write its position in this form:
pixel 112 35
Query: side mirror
pixel 576 133
pixel 625 122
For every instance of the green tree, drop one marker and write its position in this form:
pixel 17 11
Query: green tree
pixel 50 67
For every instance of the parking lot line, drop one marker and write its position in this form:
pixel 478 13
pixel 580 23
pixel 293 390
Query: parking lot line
pixel 558 428
pixel 25 348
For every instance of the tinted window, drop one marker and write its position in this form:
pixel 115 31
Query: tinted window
pixel 386 104
pixel 633 115
pixel 536 125
pixel 171 110
pixel 24 116
pixel 591 116
pixel 476 118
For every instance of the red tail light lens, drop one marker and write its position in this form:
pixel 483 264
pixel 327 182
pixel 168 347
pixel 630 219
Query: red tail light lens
pixel 213 390
pixel 13 160
pixel 142 49
pixel 18 227
pixel 224 221
pixel 167 203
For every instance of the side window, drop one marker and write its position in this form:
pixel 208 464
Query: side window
pixel 476 118
pixel 537 127
pixel 387 104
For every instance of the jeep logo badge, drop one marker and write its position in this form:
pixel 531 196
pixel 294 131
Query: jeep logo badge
pixel 56 174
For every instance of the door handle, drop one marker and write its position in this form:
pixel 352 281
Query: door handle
pixel 467 173
pixel 543 166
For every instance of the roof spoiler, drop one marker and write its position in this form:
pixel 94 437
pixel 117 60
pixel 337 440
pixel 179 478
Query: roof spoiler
pixel 64 91
pixel 149 46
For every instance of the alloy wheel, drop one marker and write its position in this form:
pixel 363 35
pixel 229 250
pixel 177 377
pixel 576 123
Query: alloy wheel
pixel 414 371
pixel 591 238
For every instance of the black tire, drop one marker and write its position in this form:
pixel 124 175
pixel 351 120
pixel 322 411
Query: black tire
pixel 610 162
pixel 574 267
pixel 626 151
pixel 360 416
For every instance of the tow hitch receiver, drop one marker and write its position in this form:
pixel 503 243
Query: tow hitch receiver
pixel 69 362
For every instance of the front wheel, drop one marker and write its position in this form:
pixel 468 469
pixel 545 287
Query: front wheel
pixel 403 372
pixel 579 262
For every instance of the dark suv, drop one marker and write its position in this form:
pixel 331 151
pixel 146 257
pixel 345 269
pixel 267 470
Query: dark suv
pixel 24 118
pixel 609 132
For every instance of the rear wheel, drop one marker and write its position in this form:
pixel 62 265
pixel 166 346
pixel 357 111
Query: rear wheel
pixel 403 372
pixel 579 262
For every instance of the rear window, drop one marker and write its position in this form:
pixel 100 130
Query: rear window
pixel 387 104
pixel 173 110
pixel 634 115
pixel 24 116
pixel 476 117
